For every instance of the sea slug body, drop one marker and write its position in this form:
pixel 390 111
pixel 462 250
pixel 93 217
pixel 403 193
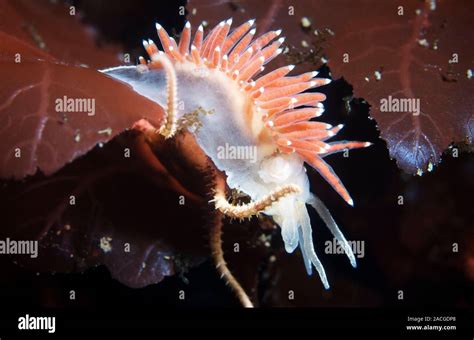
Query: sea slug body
pixel 271 114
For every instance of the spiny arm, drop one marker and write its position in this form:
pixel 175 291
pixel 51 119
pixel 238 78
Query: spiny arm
pixel 255 207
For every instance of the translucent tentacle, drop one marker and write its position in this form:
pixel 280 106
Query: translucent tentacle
pixel 321 209
pixel 289 231
pixel 308 248
pixel 306 260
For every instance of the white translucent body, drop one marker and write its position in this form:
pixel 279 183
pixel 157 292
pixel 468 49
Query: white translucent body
pixel 213 90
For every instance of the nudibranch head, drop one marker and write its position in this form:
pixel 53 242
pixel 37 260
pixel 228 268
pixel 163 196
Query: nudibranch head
pixel 260 132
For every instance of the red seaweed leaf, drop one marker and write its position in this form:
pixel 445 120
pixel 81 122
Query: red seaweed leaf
pixel 54 29
pixel 122 214
pixel 115 221
pixel 13 48
pixel 382 54
pixel 37 133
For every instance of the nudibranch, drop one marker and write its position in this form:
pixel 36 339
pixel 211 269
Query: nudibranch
pixel 271 114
